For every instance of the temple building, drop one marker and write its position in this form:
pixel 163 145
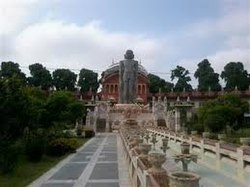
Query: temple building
pixel 125 96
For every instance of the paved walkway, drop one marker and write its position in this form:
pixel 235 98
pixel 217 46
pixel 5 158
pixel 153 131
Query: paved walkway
pixel 99 163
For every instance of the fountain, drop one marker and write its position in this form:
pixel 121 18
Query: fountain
pixel 185 157
pixel 164 146
pixel 154 140
pixel 147 137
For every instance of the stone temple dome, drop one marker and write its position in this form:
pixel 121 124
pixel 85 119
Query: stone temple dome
pixel 114 68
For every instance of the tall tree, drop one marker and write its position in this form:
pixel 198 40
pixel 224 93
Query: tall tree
pixel 40 76
pixel 182 75
pixel 206 76
pixel 64 79
pixel 14 108
pixel 156 83
pixel 88 80
pixel 10 69
pixel 234 75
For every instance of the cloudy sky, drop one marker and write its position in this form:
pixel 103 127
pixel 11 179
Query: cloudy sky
pixel 79 34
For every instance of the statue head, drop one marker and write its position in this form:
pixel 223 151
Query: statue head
pixel 129 55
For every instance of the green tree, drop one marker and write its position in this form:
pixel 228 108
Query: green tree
pixel 156 83
pixel 234 75
pixel 37 99
pixel 181 74
pixel 40 76
pixel 88 80
pixel 14 108
pixel 62 107
pixel 64 79
pixel 207 77
pixel 230 108
pixel 10 69
pixel 215 123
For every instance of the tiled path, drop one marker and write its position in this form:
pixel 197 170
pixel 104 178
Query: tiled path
pixel 99 163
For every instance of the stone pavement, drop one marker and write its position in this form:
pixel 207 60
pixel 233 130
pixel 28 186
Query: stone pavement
pixel 99 163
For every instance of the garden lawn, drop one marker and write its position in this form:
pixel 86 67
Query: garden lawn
pixel 26 171
pixel 235 136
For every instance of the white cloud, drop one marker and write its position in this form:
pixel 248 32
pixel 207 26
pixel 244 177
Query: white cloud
pixel 57 44
pixel 229 34
pixel 13 14
pixel 221 58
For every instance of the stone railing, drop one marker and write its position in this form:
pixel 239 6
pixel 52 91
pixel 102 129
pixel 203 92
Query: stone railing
pixel 139 175
pixel 230 159
pixel 145 164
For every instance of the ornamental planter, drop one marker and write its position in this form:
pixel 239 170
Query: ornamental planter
pixel 165 142
pixel 156 159
pixel 183 179
pixel 144 148
pixel 185 147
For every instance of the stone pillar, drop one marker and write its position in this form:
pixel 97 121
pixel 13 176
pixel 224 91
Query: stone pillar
pixel 190 144
pixel 153 104
pixel 202 150
pixel 189 114
pixel 240 164
pixel 107 124
pixel 218 157
pixel 177 120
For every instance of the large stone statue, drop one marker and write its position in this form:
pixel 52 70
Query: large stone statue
pixel 128 78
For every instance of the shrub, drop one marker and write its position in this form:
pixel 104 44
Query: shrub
pixel 89 133
pixel 79 131
pixel 198 127
pixel 9 155
pixel 34 145
pixel 215 123
pixel 69 134
pixel 61 146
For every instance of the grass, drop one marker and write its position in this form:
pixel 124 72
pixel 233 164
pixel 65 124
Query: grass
pixel 26 171
pixel 236 135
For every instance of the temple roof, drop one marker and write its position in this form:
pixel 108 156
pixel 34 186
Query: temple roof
pixel 114 68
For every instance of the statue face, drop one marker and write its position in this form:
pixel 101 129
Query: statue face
pixel 129 55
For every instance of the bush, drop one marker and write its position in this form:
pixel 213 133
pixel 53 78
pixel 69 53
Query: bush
pixel 34 145
pixel 215 123
pixel 198 127
pixel 89 133
pixel 79 131
pixel 61 146
pixel 9 155
pixel 69 134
